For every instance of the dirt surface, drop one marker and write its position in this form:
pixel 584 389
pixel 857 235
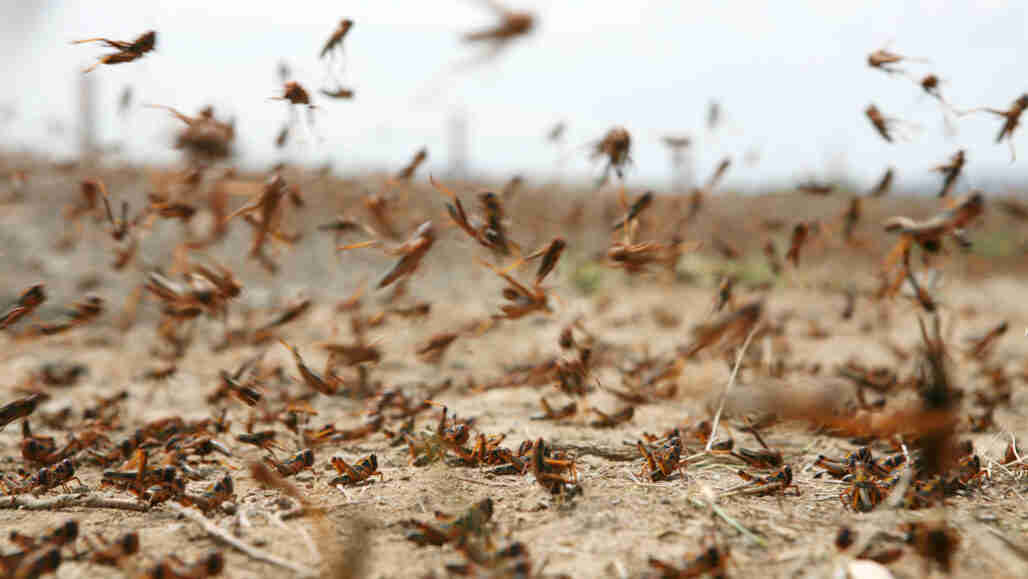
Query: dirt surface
pixel 621 518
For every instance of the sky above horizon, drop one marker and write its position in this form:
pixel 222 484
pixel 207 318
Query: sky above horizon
pixel 791 78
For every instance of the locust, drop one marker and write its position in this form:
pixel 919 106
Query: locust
pixel 335 40
pixel 411 253
pixel 883 59
pixel 776 483
pixel 127 51
pixel 299 462
pixel 616 146
pixel 362 470
pixel 512 25
pixel 324 383
pixel 1011 120
pixel 881 123
pixel 204 136
pixel 452 528
pixel 405 174
pixel 884 183
pixel 661 462
pixel 20 408
pixel 951 172
pixel 27 303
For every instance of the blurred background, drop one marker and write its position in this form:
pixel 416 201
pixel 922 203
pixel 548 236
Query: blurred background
pixel 790 80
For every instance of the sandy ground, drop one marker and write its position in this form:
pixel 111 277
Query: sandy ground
pixel 621 519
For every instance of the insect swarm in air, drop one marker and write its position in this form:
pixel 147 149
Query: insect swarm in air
pixel 243 401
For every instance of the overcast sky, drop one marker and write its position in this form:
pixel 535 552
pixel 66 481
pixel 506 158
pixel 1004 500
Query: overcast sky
pixel 791 76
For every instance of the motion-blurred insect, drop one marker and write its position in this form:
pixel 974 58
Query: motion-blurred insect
pixel 616 146
pixel 432 351
pixel 815 188
pixel 612 420
pixel 928 234
pixel 296 95
pixel 556 132
pixel 125 100
pixel 78 314
pixel 204 136
pixel 729 328
pixel 113 554
pixel 796 241
pixel 881 123
pixel 884 60
pixel 324 383
pixel 339 93
pixel 934 542
pixel 930 85
pixel 883 556
pixel 27 303
pixel 698 194
pixel 1011 120
pixel 31 564
pixel 951 172
pixel 334 44
pixel 523 300
pixel 513 24
pixel 452 528
pixel 982 345
pixel 404 175
pixel 264 439
pixel 294 92
pixel 282 137
pixel 550 413
pixel 64 534
pixel 640 204
pixel 127 51
pixel 850 219
pixel 884 184
pixel 411 253
pixel 172 566
pixel 551 255
pixel 712 561
pixel 771 253
pixel 268 205
pixel 714 115
pixel 489 231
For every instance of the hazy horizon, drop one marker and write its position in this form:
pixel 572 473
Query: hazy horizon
pixel 791 78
